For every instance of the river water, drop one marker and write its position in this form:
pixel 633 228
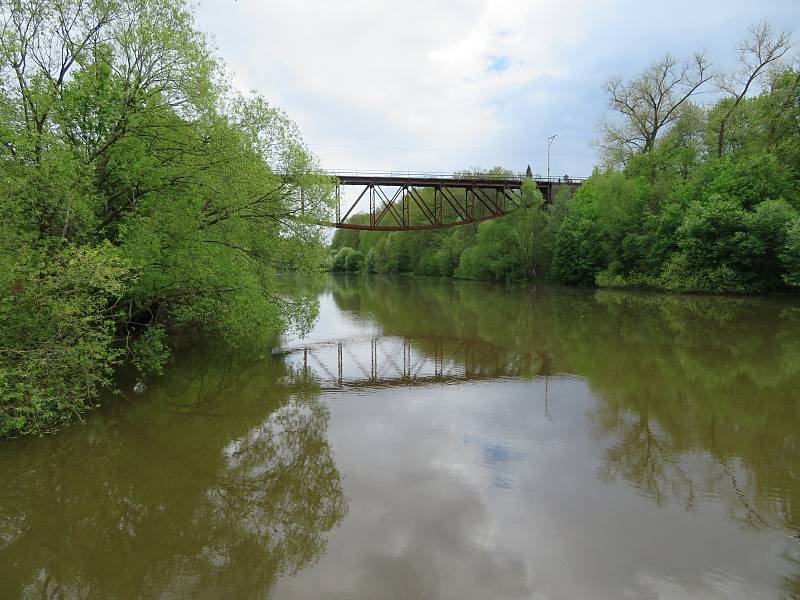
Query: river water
pixel 436 439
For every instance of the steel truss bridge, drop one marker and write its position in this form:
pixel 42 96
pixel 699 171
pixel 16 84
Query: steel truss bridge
pixel 457 199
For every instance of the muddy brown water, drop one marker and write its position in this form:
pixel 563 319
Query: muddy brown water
pixel 436 439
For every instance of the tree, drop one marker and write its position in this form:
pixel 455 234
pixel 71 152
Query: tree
pixel 496 255
pixel 529 227
pixel 121 145
pixel 606 210
pixel 649 104
pixel 757 52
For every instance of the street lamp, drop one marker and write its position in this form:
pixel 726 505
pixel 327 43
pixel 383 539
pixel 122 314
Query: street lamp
pixel 549 143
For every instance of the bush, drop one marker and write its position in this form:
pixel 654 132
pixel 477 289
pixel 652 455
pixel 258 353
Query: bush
pixel 149 352
pixel 339 260
pixel 606 210
pixel 790 257
pixel 712 232
pixel 578 256
pixel 616 280
pixel 354 262
pixel 369 262
pixel 767 230
pixel 57 322
pixel 496 255
pixel 347 260
pixel 681 275
pixel 747 180
pixel 727 248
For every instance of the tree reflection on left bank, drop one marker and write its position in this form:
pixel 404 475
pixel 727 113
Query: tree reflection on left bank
pixel 214 485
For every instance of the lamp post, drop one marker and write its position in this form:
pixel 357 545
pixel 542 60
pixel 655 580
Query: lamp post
pixel 549 143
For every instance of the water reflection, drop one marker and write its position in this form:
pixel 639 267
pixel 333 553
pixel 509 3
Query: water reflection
pixel 387 361
pixel 681 378
pixel 437 439
pixel 211 485
pixel 694 399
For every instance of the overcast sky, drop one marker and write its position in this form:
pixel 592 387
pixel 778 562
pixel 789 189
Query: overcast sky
pixel 445 85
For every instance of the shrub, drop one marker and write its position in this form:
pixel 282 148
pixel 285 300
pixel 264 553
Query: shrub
pixel 354 261
pixel 57 337
pixel 790 257
pixel 681 275
pixel 339 260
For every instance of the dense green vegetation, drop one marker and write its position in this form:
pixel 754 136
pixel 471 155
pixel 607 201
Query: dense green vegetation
pixel 690 197
pixel 139 196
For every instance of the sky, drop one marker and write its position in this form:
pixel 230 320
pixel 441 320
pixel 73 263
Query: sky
pixel 444 85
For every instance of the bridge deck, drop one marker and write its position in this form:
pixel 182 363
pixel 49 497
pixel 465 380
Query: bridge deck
pixel 450 180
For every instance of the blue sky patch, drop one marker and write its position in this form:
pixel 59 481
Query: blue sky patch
pixel 498 64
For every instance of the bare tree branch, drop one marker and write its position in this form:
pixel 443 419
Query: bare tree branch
pixel 757 52
pixel 649 104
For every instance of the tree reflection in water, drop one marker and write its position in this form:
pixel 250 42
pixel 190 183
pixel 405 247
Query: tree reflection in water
pixel 696 396
pixel 215 485
pixel 222 478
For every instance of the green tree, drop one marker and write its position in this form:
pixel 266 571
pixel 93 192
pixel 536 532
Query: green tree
pixel 354 261
pixel 595 233
pixel 119 139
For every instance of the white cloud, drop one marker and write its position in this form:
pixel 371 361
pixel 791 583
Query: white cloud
pixel 411 85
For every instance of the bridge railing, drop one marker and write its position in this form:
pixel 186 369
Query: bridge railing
pixel 457 176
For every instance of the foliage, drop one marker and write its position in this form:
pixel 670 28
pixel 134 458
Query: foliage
pixel 347 259
pixel 121 144
pixel 577 255
pixel 149 351
pixel 790 257
pixel 597 231
pixel 493 256
pixel 57 335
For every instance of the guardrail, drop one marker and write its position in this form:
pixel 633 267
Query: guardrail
pixel 457 176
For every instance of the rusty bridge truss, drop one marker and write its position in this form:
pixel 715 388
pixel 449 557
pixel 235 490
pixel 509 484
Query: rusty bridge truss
pixel 396 201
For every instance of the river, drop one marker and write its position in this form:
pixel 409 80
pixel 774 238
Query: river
pixel 435 439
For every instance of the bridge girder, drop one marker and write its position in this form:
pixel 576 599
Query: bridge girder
pixel 456 200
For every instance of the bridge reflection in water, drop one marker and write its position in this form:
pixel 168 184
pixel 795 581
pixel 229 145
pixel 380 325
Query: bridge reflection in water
pixel 387 361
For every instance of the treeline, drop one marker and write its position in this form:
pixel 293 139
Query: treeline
pixel 139 195
pixel 690 197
